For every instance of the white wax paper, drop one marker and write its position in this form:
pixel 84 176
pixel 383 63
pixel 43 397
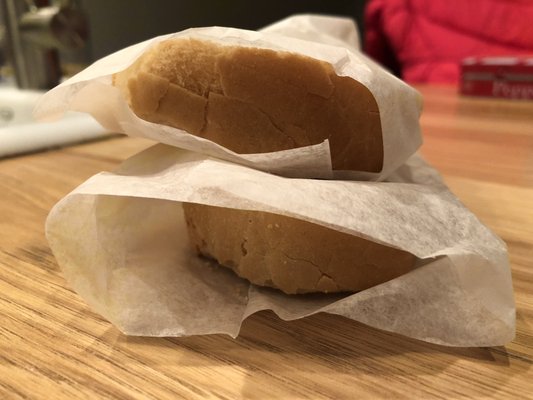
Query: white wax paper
pixel 330 39
pixel 121 241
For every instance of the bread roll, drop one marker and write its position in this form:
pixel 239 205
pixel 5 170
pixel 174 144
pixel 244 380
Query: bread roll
pixel 253 100
pixel 292 255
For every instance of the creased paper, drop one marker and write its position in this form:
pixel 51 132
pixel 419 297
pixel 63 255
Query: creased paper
pixel 329 39
pixel 121 241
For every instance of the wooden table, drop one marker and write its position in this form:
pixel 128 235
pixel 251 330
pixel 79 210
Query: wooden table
pixel 53 346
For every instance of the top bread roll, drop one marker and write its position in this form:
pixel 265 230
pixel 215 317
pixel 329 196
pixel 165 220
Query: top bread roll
pixel 253 100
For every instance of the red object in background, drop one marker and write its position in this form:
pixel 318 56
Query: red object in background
pixel 503 77
pixel 426 40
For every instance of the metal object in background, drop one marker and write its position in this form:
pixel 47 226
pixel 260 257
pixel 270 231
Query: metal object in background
pixel 54 27
pixel 35 31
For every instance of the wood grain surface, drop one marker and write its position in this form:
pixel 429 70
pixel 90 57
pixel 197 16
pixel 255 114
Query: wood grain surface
pixel 52 346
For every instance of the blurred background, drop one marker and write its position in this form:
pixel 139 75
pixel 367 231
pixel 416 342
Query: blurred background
pixel 111 25
pixel 115 24
pixel 479 48
pixel 418 40
pixel 43 42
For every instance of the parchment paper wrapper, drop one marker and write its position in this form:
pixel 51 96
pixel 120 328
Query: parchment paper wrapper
pixel 333 40
pixel 122 243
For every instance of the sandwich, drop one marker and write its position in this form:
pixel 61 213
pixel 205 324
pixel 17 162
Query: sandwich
pixel 253 100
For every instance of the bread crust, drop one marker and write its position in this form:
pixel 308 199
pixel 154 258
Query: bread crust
pixel 253 100
pixel 292 255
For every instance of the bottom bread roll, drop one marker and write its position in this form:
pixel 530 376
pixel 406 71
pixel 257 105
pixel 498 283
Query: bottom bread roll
pixel 292 255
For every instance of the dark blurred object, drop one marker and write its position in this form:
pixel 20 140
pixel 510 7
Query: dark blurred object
pixel 502 77
pixel 35 30
pixel 117 24
pixel 55 27
pixel 425 41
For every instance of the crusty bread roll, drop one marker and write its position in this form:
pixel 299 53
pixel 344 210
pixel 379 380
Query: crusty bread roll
pixel 292 255
pixel 252 100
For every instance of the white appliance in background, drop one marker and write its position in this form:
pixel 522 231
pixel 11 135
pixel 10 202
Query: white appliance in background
pixel 19 133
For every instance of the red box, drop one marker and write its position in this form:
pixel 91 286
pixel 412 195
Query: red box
pixel 502 77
